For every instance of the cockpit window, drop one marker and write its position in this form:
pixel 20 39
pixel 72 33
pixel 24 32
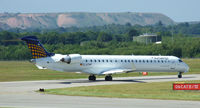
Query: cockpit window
pixel 180 60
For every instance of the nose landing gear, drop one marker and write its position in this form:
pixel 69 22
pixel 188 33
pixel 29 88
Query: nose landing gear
pixel 180 74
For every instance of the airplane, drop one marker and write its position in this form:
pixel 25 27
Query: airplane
pixel 102 64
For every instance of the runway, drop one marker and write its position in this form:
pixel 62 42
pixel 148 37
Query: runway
pixel 22 94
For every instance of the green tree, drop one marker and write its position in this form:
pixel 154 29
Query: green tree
pixel 132 33
pixel 104 37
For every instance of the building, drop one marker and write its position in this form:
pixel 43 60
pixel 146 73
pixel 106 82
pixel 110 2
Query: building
pixel 147 38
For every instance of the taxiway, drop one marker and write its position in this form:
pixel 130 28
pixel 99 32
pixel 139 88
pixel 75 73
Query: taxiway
pixel 22 94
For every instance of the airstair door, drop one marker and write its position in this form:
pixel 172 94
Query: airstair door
pixel 173 65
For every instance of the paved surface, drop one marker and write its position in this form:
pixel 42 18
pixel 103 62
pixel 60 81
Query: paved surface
pixel 21 94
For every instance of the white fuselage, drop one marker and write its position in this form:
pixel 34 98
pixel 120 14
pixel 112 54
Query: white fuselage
pixel 98 64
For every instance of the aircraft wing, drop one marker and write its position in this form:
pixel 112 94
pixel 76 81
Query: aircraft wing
pixel 117 71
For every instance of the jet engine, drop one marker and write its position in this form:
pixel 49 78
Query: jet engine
pixel 72 58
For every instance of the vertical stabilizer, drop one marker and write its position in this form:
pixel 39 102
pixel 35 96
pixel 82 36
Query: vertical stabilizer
pixel 37 50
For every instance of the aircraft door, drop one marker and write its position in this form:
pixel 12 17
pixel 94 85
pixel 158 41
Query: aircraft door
pixel 173 65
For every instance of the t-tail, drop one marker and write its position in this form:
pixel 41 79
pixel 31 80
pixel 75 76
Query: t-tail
pixel 37 50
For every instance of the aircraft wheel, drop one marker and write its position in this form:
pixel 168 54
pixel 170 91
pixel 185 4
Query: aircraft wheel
pixel 92 78
pixel 180 75
pixel 108 78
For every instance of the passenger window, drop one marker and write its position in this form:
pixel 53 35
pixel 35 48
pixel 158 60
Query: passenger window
pixel 151 61
pixel 110 60
pixel 90 60
pixel 128 60
pixel 131 60
pixel 136 61
pixel 85 60
pixel 106 60
pixel 102 60
pixel 115 60
pixel 158 61
pixel 95 60
pixel 139 60
pixel 147 61
pixel 143 61
pixel 124 60
pixel 162 61
pixel 121 60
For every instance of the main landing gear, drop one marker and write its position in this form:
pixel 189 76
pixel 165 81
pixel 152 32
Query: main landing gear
pixel 108 78
pixel 92 78
pixel 180 74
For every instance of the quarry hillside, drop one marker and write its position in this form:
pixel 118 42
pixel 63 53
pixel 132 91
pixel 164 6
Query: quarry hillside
pixel 78 19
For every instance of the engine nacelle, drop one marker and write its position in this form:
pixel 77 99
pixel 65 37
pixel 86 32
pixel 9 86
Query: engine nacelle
pixel 72 58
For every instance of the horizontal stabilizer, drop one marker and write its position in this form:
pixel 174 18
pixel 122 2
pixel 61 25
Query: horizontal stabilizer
pixel 40 67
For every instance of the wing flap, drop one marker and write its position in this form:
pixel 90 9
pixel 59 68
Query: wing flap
pixel 117 71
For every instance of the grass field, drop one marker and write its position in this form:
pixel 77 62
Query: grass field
pixel 156 90
pixel 23 70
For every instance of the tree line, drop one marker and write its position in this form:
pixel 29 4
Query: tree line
pixel 110 39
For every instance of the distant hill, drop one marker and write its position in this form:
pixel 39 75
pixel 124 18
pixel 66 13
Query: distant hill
pixel 78 19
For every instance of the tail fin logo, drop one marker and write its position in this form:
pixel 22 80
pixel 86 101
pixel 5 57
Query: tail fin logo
pixel 37 50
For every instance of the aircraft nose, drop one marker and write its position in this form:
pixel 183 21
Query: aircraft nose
pixel 186 67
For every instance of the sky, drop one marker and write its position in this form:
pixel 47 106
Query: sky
pixel 177 10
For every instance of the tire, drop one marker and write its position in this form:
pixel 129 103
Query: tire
pixel 92 78
pixel 179 76
pixel 108 78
